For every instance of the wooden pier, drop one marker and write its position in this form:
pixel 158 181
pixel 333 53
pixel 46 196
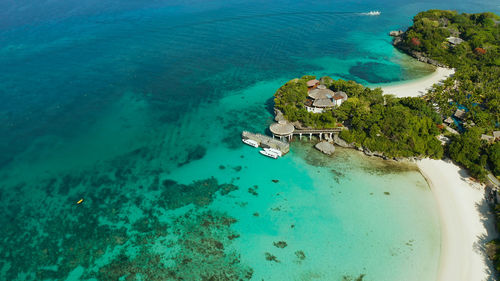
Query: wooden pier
pixel 267 142
pixel 322 133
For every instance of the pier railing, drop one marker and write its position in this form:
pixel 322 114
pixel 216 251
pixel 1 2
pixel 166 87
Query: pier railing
pixel 317 131
pixel 322 133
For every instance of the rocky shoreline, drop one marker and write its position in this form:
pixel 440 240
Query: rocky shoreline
pixel 328 148
pixel 398 41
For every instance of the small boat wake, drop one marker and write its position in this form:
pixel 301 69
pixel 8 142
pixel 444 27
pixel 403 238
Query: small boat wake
pixel 372 13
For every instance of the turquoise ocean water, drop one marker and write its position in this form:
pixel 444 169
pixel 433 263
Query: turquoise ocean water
pixel 137 109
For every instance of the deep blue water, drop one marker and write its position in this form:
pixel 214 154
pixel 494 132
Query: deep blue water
pixel 108 99
pixel 63 61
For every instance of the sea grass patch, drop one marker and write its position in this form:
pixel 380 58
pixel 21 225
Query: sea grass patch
pixel 64 235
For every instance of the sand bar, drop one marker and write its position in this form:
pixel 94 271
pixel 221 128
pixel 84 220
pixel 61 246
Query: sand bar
pixel 418 87
pixel 466 222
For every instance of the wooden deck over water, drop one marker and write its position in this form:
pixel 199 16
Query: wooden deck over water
pixel 266 141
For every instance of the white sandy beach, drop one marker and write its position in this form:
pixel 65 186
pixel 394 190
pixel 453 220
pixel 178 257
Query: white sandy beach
pixel 420 86
pixel 464 231
pixel 466 221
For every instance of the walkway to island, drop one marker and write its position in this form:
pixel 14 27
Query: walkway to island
pixel 285 131
pixel 320 132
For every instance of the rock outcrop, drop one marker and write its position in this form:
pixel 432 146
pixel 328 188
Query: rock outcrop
pixel 340 142
pixel 367 152
pixel 325 147
pixel 398 42
pixel 396 33
pixel 278 115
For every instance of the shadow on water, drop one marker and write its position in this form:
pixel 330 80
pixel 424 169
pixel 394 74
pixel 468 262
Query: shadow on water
pixel 488 220
pixel 270 105
pixel 254 119
pixel 373 72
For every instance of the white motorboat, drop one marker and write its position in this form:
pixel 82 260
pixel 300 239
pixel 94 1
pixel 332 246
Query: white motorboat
pixel 250 142
pixel 274 150
pixel 373 13
pixel 269 154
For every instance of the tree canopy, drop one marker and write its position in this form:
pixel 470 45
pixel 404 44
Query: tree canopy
pixel 475 87
pixel 396 127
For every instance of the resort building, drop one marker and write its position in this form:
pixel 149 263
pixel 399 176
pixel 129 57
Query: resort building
pixel 321 98
pixel 454 40
pixel 491 139
pixel 283 130
pixel 488 138
pixel 312 84
pixel 448 120
pixel 496 135
pixel 460 114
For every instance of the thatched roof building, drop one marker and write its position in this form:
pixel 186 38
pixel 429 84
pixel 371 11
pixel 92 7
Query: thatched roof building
pixel 321 94
pixel 282 128
pixel 321 98
pixel 340 96
pixel 323 103
pixel 312 83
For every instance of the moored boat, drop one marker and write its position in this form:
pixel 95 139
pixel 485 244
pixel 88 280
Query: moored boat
pixel 275 151
pixel 269 154
pixel 250 142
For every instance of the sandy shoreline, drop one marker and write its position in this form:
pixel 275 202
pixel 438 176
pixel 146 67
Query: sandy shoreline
pixel 415 88
pixel 466 223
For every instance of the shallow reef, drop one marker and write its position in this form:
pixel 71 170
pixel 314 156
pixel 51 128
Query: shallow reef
pixel 280 244
pixel 300 255
pixel 193 153
pixel 350 278
pixel 201 238
pixel 237 121
pixel 271 257
pixel 371 71
pixel 200 193
pixel 129 226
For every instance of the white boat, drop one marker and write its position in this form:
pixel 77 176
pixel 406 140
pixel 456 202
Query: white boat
pixel 373 13
pixel 250 142
pixel 274 150
pixel 269 154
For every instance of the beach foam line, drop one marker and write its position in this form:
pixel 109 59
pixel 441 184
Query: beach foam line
pixel 466 224
pixel 418 87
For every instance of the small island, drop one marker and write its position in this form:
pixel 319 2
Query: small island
pixel 378 124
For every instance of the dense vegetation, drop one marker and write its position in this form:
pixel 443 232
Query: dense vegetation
pixel 290 100
pixel 396 127
pixel 407 127
pixel 475 85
